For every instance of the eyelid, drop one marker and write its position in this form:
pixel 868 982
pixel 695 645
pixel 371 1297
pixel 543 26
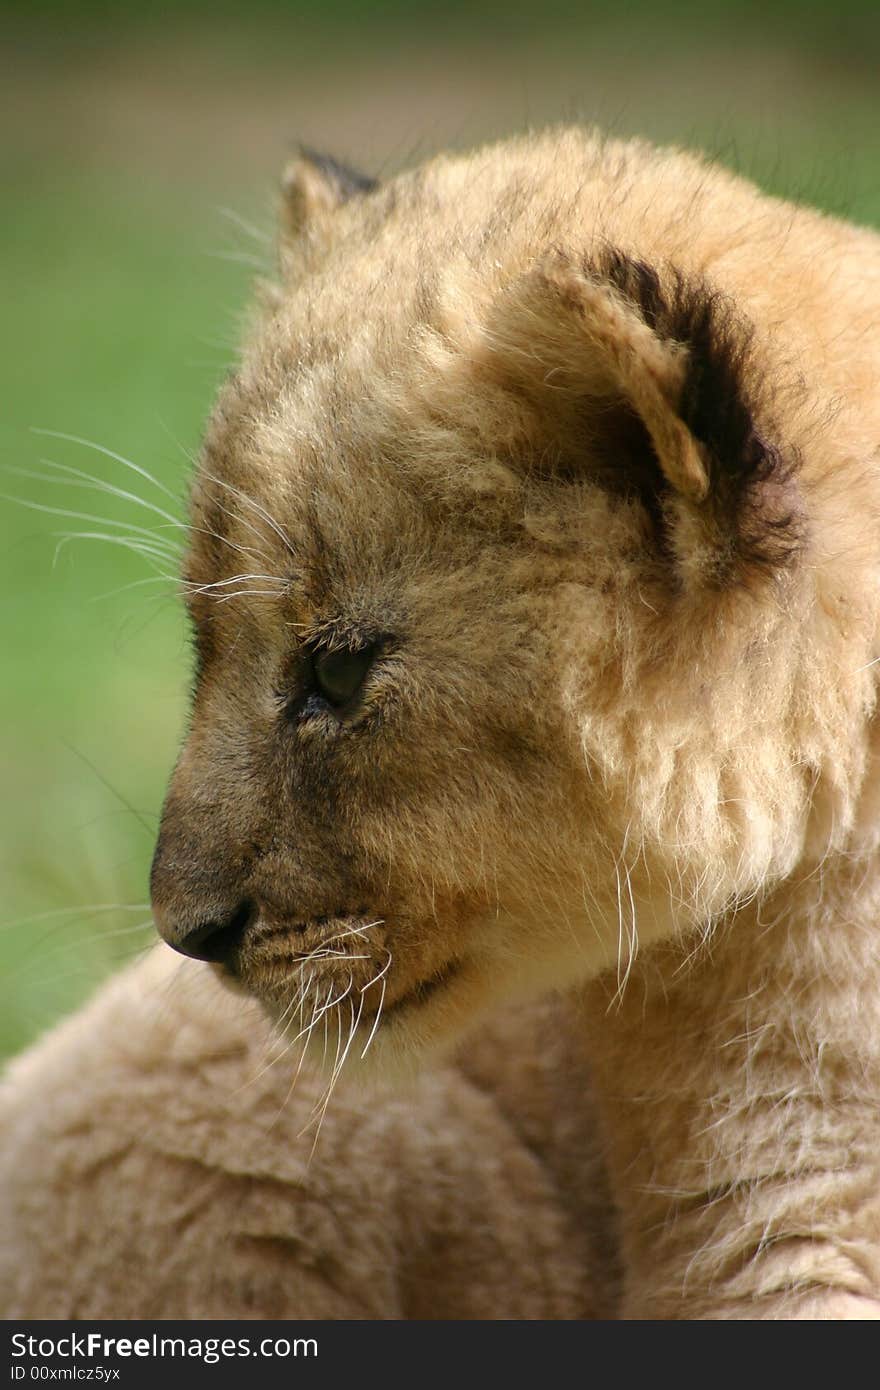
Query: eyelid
pixel 353 637
pixel 331 636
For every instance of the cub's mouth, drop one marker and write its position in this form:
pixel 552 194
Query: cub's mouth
pixel 339 968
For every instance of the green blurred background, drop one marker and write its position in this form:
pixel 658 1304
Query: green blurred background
pixel 139 149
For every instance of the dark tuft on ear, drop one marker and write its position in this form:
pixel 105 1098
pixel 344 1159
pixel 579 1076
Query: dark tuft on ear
pixel 348 183
pixel 313 187
pixel 752 502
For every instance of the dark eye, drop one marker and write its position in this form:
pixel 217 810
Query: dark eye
pixel 340 674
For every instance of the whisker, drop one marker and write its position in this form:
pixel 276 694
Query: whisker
pixel 154 553
pixel 65 475
pixel 297 1000
pixel 354 931
pixel 337 1072
pixel 233 579
pixel 316 1016
pixel 234 516
pixel 108 453
pixel 316 1108
pixel 375 1026
pixel 81 943
pixel 87 968
pixel 255 506
pixel 224 540
pixel 260 263
pixel 135 584
pixel 129 526
pixel 320 954
pixel 248 227
pixel 249 593
pixel 91 909
pixel 305 1047
pixel 307 1031
pixel 382 973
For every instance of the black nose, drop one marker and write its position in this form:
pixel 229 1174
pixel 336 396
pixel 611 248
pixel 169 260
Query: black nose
pixel 215 941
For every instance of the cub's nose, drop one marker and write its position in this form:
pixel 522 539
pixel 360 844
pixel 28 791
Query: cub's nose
pixel 215 941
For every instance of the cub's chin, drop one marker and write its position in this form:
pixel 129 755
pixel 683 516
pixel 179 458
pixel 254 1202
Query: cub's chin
pixel 426 1022
pixel 378 1036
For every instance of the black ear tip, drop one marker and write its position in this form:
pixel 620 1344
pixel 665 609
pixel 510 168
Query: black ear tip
pixel 348 182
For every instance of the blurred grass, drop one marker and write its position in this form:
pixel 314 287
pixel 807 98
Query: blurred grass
pixel 127 129
pixel 108 306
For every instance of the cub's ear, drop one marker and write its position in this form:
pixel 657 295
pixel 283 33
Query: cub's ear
pixel 313 186
pixel 659 393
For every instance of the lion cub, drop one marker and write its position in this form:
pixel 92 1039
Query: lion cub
pixel 535 579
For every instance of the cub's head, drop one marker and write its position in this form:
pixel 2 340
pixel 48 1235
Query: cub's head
pixel 516 647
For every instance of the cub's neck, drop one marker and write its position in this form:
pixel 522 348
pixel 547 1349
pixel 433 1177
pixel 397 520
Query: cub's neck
pixel 739 1090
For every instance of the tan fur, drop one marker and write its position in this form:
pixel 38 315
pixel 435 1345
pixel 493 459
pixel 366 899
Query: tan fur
pixel 584 435
pixel 173 1180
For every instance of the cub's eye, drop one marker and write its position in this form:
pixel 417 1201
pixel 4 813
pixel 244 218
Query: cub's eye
pixel 340 674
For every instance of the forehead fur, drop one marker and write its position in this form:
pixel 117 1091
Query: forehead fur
pixel 416 334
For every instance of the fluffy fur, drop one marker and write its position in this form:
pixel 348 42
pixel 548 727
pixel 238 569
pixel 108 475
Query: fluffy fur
pixel 577 440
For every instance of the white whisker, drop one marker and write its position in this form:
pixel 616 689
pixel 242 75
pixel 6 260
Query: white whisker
pixel 375 1026
pixel 255 506
pixel 64 475
pixel 82 516
pixel 248 227
pixel 108 453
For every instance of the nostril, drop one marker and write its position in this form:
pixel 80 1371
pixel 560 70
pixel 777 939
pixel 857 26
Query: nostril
pixel 216 941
